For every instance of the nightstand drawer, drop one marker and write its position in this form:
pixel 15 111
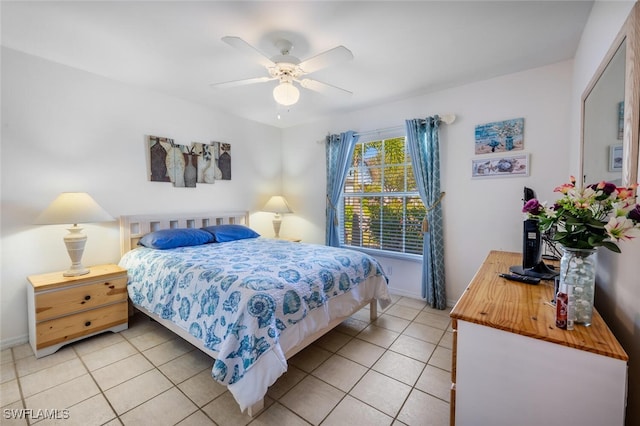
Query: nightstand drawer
pixel 77 325
pixel 73 299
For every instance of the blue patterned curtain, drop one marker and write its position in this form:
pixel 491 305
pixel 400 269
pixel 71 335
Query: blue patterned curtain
pixel 424 148
pixel 339 152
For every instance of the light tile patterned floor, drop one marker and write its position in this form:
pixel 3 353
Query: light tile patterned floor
pixel 395 371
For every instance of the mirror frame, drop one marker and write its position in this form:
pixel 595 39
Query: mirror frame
pixel 630 32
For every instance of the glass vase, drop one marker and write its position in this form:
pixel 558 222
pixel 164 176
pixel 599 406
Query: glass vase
pixel 578 273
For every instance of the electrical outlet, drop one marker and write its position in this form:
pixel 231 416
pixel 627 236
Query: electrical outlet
pixel 389 270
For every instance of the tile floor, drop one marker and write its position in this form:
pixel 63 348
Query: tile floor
pixel 394 371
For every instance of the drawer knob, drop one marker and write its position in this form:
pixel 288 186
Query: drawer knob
pixel 87 297
pixel 87 324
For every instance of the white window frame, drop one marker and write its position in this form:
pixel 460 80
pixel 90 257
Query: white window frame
pixel 403 194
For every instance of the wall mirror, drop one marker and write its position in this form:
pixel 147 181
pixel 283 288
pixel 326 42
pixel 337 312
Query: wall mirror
pixel 610 111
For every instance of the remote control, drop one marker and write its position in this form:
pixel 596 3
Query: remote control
pixel 521 278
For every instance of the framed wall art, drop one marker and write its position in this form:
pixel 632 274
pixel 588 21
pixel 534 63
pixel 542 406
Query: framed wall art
pixel 185 166
pixel 223 159
pixel 615 158
pixel 506 165
pixel 207 167
pixel 500 136
pixel 158 151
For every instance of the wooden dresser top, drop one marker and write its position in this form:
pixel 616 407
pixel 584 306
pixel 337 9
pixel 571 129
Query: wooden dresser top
pixel 525 309
pixel 53 280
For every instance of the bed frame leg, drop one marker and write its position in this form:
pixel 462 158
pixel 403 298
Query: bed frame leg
pixel 373 310
pixel 255 408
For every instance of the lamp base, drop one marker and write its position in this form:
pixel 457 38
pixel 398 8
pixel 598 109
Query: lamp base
pixel 75 241
pixel 75 272
pixel 277 222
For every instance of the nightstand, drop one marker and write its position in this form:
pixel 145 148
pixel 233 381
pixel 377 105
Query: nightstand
pixel 66 309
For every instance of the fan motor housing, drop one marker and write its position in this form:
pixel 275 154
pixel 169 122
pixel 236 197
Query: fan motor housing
pixel 285 70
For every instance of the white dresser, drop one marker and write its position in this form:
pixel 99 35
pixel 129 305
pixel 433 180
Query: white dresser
pixel 512 366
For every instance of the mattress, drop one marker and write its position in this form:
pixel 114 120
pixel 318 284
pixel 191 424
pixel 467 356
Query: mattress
pixel 252 300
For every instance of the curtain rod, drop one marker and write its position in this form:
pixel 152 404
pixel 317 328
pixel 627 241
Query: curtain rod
pixel 445 118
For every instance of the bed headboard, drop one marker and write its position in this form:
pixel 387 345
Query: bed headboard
pixel 133 227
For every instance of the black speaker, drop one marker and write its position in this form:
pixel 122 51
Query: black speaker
pixel 531 244
pixel 532 264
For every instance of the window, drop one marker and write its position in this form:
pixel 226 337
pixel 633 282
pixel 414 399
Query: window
pixel 381 207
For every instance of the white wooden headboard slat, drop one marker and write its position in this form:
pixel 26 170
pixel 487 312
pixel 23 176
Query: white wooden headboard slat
pixel 134 227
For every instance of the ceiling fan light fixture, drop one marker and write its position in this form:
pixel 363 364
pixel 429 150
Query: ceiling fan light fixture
pixel 286 93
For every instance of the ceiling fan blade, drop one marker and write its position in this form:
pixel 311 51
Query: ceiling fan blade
pixel 236 83
pixel 322 60
pixel 248 50
pixel 318 86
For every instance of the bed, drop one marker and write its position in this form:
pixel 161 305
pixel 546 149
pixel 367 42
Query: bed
pixel 248 302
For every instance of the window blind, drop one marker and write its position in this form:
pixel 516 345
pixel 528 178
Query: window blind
pixel 381 208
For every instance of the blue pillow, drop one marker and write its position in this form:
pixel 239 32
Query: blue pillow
pixel 171 238
pixel 224 233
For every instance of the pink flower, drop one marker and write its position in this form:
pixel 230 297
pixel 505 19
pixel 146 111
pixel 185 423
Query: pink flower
pixel 622 229
pixel 564 188
pixel 606 187
pixel 624 193
pixel 533 207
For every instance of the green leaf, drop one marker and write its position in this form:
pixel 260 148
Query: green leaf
pixel 593 223
pixel 572 221
pixel 559 235
pixel 611 246
pixel 583 245
pixel 577 230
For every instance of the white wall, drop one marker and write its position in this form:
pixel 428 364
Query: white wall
pixel 479 214
pixel 67 130
pixel 618 285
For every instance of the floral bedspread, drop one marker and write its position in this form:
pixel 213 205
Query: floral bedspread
pixel 238 297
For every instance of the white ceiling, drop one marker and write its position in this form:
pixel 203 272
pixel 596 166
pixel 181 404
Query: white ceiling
pixel 400 49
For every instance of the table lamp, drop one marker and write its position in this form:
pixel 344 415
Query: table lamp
pixel 278 205
pixel 74 208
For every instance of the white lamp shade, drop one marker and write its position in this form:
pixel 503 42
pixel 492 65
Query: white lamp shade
pixel 286 93
pixel 73 207
pixel 277 204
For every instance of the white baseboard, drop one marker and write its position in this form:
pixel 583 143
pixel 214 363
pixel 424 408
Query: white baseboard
pixel 14 341
pixel 404 293
pixel 399 292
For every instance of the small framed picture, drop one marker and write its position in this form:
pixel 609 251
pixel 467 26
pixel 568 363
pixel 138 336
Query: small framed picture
pixel 506 165
pixel 615 158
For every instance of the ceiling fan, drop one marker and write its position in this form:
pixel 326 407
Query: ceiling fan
pixel 288 69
